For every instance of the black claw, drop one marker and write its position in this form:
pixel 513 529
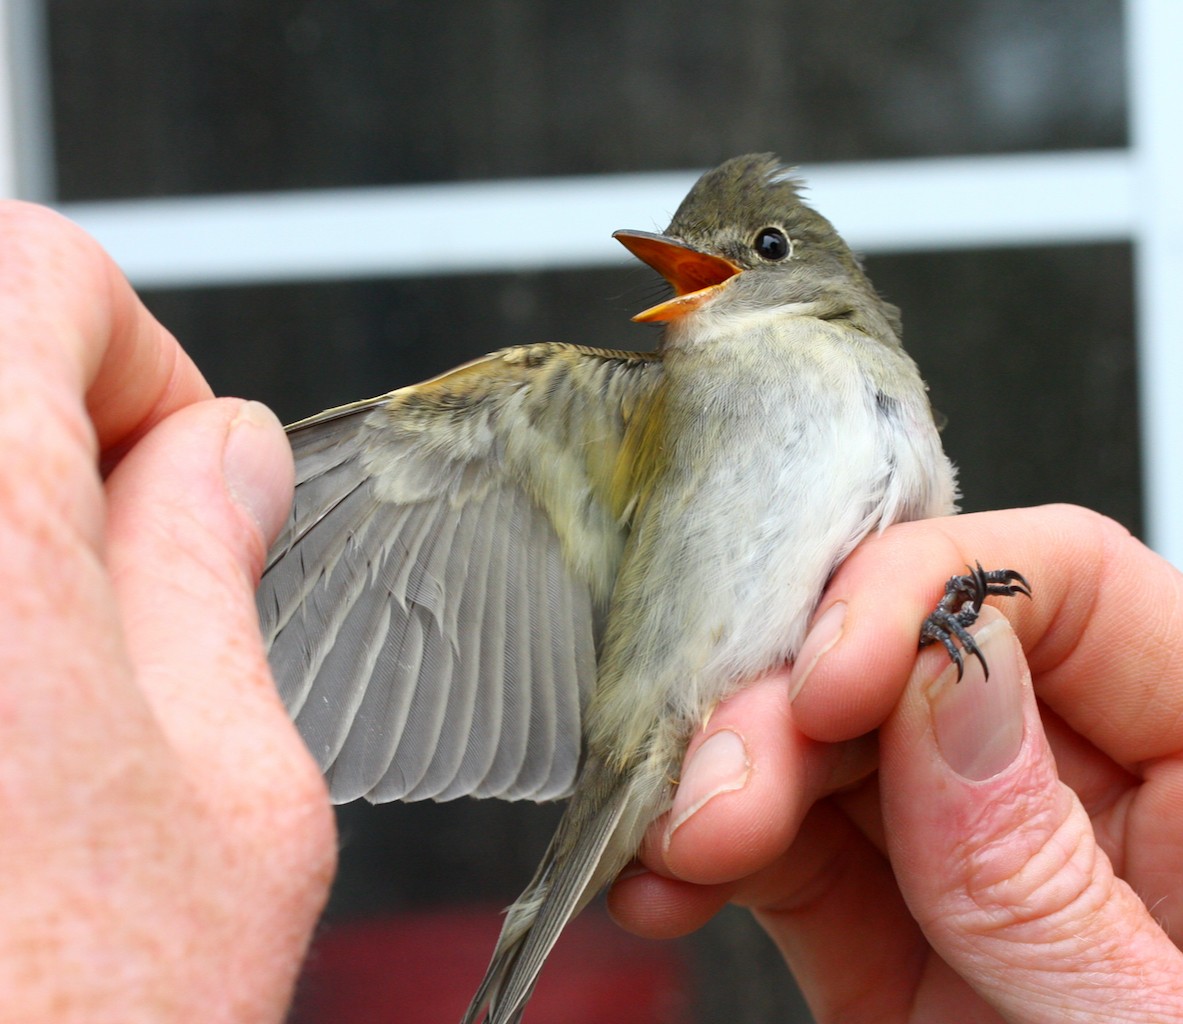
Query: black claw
pixel 959 607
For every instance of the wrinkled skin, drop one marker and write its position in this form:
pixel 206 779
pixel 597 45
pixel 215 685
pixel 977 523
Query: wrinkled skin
pixel 149 876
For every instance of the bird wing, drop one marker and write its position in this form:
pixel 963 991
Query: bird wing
pixel 432 606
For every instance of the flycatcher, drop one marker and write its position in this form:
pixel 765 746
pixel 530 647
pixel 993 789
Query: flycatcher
pixel 537 574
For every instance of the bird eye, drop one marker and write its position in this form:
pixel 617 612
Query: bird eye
pixel 771 244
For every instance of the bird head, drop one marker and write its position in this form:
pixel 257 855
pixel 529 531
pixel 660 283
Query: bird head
pixel 744 233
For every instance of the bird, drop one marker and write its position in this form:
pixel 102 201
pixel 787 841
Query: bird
pixel 536 575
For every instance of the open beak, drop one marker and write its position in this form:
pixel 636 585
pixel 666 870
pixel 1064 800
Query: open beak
pixel 696 276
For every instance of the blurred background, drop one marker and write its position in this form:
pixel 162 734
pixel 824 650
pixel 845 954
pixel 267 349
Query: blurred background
pixel 325 199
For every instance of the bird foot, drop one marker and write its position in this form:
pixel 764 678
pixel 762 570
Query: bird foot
pixel 959 607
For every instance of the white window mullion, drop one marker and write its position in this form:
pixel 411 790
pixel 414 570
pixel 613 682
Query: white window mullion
pixel 26 136
pixel 473 227
pixel 1154 32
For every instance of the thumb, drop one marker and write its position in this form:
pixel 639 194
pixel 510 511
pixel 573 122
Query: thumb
pixel 191 509
pixel 997 858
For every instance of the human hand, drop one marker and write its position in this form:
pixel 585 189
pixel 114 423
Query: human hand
pixel 167 843
pixel 1019 855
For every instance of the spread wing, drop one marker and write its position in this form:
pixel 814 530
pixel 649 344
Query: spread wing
pixel 432 606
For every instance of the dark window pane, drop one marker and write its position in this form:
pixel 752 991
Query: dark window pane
pixel 193 96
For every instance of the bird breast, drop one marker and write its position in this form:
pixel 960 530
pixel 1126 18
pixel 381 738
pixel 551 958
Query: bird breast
pixel 782 454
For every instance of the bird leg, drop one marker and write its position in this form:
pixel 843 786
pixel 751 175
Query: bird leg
pixel 959 607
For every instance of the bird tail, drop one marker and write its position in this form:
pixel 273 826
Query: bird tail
pixel 597 835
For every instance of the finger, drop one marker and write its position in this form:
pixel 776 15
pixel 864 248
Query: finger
pixel 68 320
pixel 62 308
pixel 997 858
pixel 77 329
pixel 1100 631
pixel 835 912
pixel 749 778
pixel 831 905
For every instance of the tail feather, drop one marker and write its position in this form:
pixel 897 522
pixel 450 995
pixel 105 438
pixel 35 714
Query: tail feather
pixel 595 839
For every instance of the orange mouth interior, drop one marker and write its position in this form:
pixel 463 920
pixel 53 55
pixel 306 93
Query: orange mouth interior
pixel 696 276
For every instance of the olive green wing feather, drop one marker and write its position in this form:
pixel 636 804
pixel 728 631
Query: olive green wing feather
pixel 431 608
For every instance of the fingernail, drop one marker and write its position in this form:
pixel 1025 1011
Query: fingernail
pixel 978 722
pixel 255 478
pixel 720 765
pixel 826 632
